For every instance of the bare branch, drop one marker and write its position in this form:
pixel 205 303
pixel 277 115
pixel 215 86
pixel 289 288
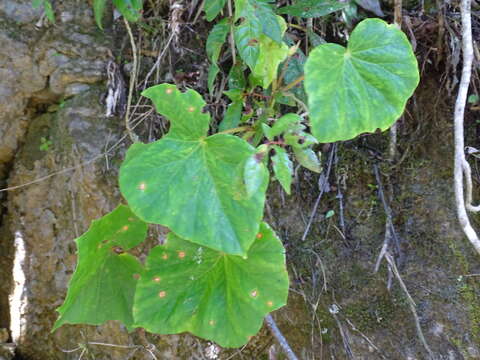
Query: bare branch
pixel 280 338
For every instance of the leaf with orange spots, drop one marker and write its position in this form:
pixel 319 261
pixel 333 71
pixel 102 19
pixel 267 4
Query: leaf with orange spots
pixel 191 183
pixel 219 297
pixel 103 285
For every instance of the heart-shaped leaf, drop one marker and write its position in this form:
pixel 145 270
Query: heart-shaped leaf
pixel 191 183
pixel 363 87
pixel 220 297
pixel 103 285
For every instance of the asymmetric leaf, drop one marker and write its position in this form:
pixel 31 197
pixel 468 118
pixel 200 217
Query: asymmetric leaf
pixel 312 8
pixel 283 168
pixel 191 183
pixel 271 54
pixel 103 285
pixel 213 8
pixel 216 296
pixel 247 36
pixel 363 87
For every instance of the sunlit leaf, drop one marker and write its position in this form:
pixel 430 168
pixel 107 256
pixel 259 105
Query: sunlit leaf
pixel 192 183
pixel 363 87
pixel 216 296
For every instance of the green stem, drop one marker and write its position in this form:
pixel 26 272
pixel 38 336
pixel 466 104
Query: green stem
pixel 235 130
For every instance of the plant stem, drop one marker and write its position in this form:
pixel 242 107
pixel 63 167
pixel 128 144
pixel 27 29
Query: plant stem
pixel 133 76
pixel 293 83
pixel 235 130
pixel 230 37
pixel 280 338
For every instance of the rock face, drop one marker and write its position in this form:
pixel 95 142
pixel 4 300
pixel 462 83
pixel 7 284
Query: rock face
pixel 52 122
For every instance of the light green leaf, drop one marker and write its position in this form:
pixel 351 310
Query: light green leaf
pixel 130 9
pixel 312 8
pixel 98 11
pixel 49 13
pixel 212 8
pixel 247 38
pixel 271 54
pixel 103 285
pixel 216 296
pixel 308 159
pixel 191 183
pixel 287 122
pixel 255 174
pixel 37 3
pixel 283 168
pixel 363 87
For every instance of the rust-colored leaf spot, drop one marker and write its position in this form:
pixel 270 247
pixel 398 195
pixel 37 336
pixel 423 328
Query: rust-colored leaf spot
pixel 211 322
pixel 157 279
pixel 169 91
pixel 162 294
pixel 131 219
pixel 254 293
pixel 118 250
pixel 164 256
pixel 252 42
pixel 259 235
pixel 142 186
pixel 191 109
pixel 136 276
pixel 125 228
pixel 269 303
pixel 181 254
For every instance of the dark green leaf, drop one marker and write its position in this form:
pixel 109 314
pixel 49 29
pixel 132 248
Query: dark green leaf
pixel 216 39
pixel 49 13
pixel 283 168
pixel 312 8
pixel 213 295
pixel 212 8
pixel 213 71
pixel 271 26
pixel 363 87
pixel 232 116
pixel 103 285
pixel 191 183
pixel 98 11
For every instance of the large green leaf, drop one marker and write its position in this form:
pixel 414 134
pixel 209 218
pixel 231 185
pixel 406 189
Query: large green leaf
pixel 363 87
pixel 103 285
pixel 213 8
pixel 191 183
pixel 312 8
pixel 216 296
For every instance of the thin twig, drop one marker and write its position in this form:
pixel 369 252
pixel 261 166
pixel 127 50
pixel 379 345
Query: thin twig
pixel 322 190
pixel 389 228
pixel 133 76
pixel 392 148
pixel 411 303
pixel 460 168
pixel 280 338
pixel 230 37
